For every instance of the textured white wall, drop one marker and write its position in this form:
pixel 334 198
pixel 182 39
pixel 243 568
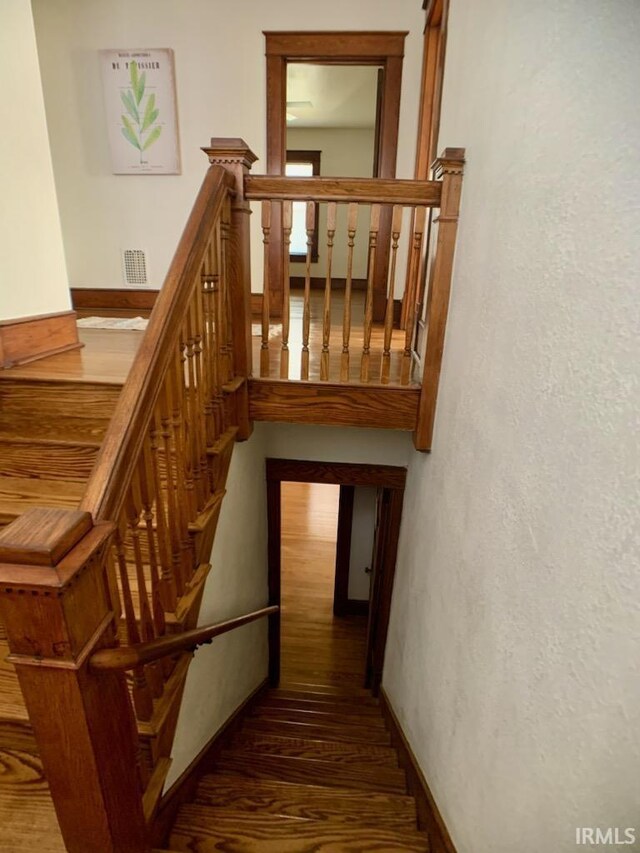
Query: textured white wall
pixel 514 640
pixel 224 673
pixel 220 77
pixel 33 275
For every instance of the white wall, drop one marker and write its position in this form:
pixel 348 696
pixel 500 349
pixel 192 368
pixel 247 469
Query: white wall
pixel 223 674
pixel 220 73
pixel 362 534
pixel 33 276
pixel 347 153
pixel 514 639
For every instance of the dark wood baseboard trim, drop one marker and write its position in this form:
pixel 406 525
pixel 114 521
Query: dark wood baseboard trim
pixel 30 338
pixel 104 298
pixel 429 817
pixel 334 404
pixel 184 788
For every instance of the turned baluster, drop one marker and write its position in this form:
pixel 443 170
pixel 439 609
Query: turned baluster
pixel 266 288
pixel 287 223
pixel 396 227
pixel 157 496
pixel 172 477
pixel 352 224
pixel 374 226
pixel 326 315
pixel 412 295
pixel 145 476
pixel 306 311
pixel 186 380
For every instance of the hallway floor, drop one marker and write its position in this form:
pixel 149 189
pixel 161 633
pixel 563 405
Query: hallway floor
pixel 317 647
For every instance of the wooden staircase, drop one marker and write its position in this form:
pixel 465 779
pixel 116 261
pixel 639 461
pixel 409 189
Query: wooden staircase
pixel 311 769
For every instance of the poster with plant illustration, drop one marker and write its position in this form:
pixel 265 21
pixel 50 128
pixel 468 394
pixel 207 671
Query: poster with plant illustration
pixel 140 100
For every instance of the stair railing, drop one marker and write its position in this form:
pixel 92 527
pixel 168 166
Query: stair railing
pixel 128 567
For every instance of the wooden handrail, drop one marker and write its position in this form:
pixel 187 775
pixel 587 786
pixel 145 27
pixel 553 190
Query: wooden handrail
pixel 122 443
pixel 362 190
pixel 131 657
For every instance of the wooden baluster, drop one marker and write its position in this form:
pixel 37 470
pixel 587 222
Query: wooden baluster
pixel 131 517
pixel 287 222
pixel 218 355
pixel 412 296
pixel 266 288
pixel 203 387
pixel 146 480
pixel 396 227
pixel 201 459
pixel 222 315
pixel 215 357
pixel 206 357
pixel 186 511
pixel 191 416
pixel 158 495
pixel 141 693
pixel 352 224
pixel 374 226
pixel 171 480
pixel 326 317
pixel 306 311
pixel 228 296
pixel 181 428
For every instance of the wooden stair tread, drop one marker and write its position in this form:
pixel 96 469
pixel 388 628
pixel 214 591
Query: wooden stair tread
pixel 329 706
pixel 329 731
pixel 323 689
pixel 202 829
pixel 27 816
pixel 313 747
pixel 320 717
pixel 312 802
pixel 18 494
pixel 318 696
pixel 246 762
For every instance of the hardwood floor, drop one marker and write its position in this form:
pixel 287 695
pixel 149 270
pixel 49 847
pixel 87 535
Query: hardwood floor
pixel 317 647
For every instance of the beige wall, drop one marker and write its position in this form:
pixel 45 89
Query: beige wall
pixel 514 638
pixel 33 276
pixel 220 74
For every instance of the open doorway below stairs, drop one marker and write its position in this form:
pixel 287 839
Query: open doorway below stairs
pixel 324 634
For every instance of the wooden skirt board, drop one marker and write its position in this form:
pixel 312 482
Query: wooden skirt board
pixel 307 643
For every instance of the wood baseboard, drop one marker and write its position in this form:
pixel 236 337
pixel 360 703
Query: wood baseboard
pixel 108 299
pixel 429 817
pixel 184 788
pixel 30 338
pixel 355 607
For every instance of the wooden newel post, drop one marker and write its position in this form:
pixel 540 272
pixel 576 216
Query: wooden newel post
pixel 236 157
pixel 56 607
pixel 449 168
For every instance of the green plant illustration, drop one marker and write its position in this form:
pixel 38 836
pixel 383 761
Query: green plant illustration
pixel 138 126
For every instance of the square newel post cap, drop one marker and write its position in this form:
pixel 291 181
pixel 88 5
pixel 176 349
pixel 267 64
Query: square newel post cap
pixel 450 162
pixel 224 151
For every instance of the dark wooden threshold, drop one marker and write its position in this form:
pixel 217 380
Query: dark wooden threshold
pixel 184 788
pixel 27 339
pixel 375 406
pixel 429 817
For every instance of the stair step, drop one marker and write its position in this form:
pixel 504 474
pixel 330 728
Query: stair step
pixel 327 706
pixel 18 494
pixel 323 689
pixel 366 699
pixel 200 829
pixel 327 731
pixel 340 752
pixel 246 762
pixel 312 802
pixel 335 717
pixel 49 460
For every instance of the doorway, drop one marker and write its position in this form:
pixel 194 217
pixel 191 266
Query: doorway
pixel 318 644
pixel 333 87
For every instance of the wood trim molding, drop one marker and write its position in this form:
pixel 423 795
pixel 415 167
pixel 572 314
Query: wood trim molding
pixel 336 473
pixel 113 299
pixel 334 404
pixel 184 788
pixel 30 338
pixel 429 818
pixel 362 46
pixel 343 550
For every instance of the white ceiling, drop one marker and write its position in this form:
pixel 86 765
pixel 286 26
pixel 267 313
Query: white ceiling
pixel 331 95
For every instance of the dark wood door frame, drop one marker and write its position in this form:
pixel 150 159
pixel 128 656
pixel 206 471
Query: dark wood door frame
pixel 341 604
pixel 385 49
pixel 391 480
